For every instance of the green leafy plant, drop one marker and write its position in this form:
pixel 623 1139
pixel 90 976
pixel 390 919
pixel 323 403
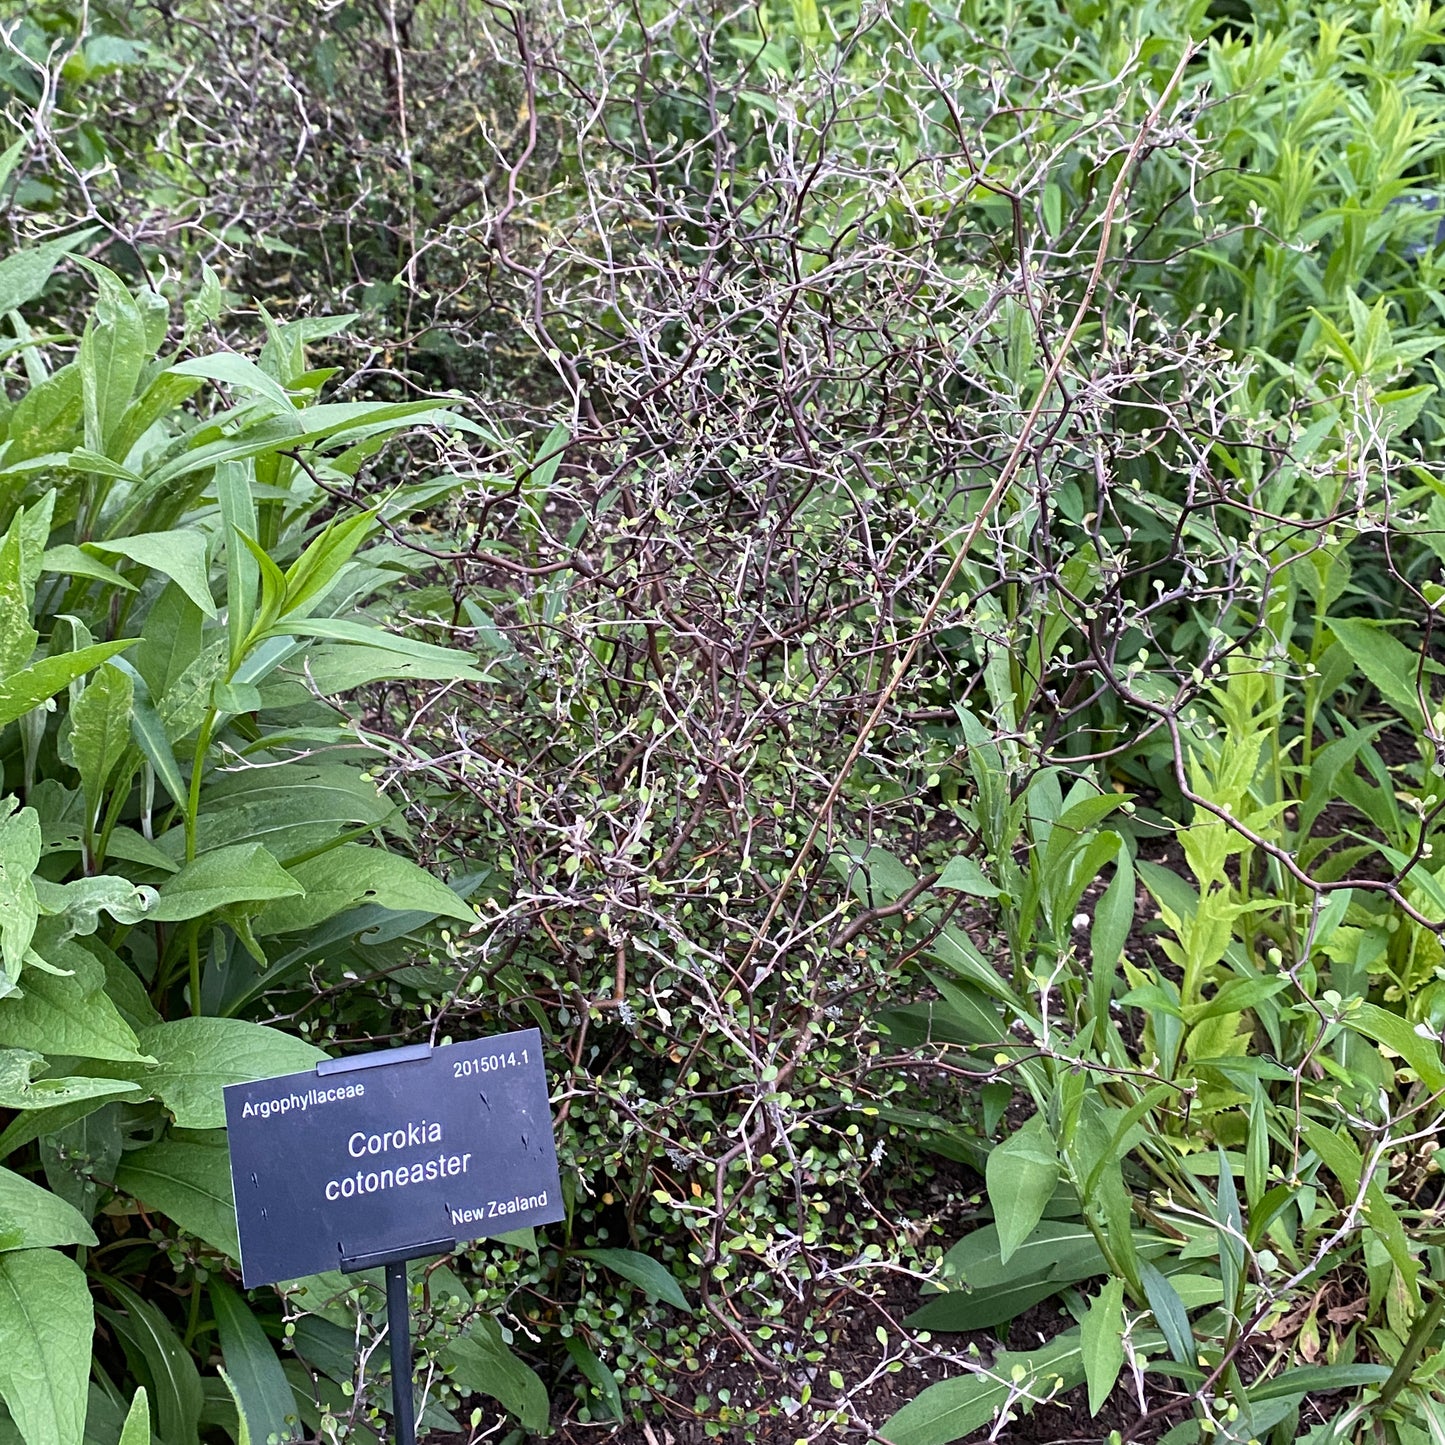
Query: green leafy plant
pixel 189 821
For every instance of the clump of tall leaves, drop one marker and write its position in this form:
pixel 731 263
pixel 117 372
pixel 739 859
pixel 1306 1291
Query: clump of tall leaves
pixel 1219 1184
pixel 187 819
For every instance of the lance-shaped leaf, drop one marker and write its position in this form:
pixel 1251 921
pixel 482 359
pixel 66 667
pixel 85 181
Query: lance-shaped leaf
pixel 19 907
pixel 262 1392
pixel 1101 1337
pixel 318 566
pixel 100 730
pixel 113 351
pixel 338 629
pixel 480 1363
pixel 179 1395
pixel 31 686
pixel 24 273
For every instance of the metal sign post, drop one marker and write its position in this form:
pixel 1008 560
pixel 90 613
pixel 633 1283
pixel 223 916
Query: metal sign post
pixel 398 1324
pixel 398 1329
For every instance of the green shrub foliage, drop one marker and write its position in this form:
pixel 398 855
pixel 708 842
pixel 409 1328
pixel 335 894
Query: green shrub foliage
pixel 188 817
pixel 925 685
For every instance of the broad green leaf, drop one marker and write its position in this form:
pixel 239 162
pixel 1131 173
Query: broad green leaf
pixel 342 668
pixel 480 1363
pixel 46 1322
pixel 1021 1174
pixel 1101 1338
pixel 70 561
pixel 957 951
pixel 320 1342
pixel 1059 1245
pixel 963 875
pixel 32 685
pixel 68 1015
pixel 19 907
pixel 655 1280
pixel 262 1391
pixel 19 1090
pixel 353 874
pixel 235 698
pixel 35 1218
pixel 197 1057
pixel 1169 889
pixel 179 1398
pixel 246 873
pixel 597 1374
pixel 1422 1054
pixel 46 420
pixel 125 988
pixel 1387 662
pixel 293 809
pixel 36 1124
pixel 23 274
pixel 956 1408
pixel 126 843
pixel 185 702
pixel 137 1428
pixel 170 641
pixel 100 729
pixel 179 554
pixel 982 1309
pixel 983 1291
pixel 188 1180
pixel 873 874
pixel 80 1159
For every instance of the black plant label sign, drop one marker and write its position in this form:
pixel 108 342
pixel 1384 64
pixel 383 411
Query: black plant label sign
pixel 395 1153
